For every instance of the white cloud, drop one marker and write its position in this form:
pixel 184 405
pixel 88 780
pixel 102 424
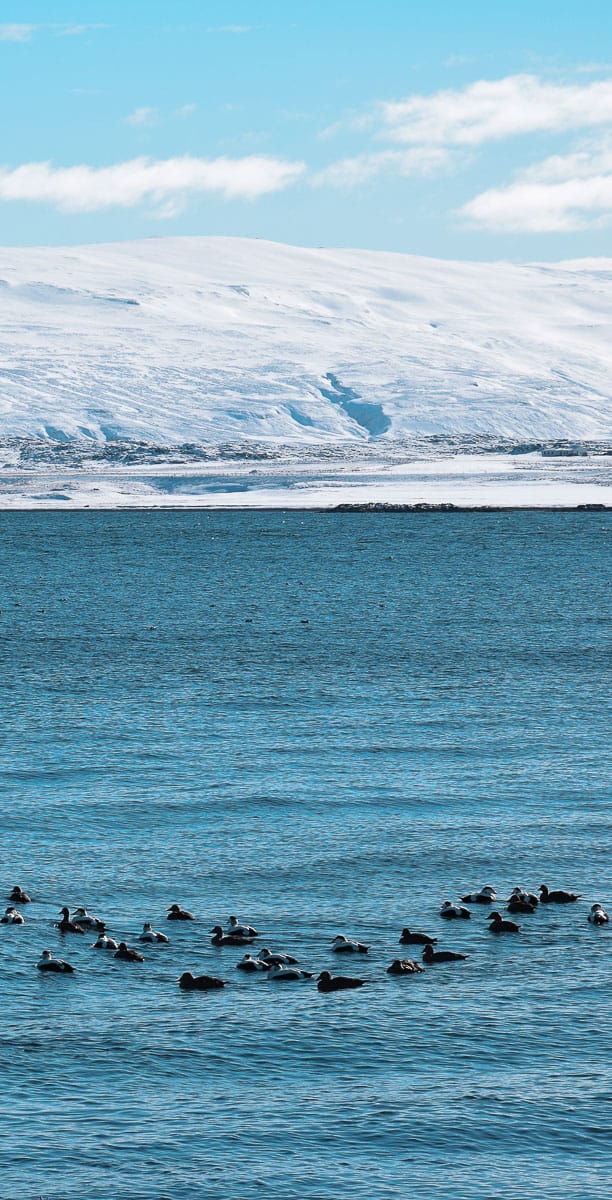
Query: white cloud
pixel 88 189
pixel 562 194
pixel 350 172
pixel 142 116
pixel 186 110
pixel 493 109
pixel 79 30
pixel 16 33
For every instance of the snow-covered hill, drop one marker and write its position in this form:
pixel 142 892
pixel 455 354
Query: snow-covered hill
pixel 223 339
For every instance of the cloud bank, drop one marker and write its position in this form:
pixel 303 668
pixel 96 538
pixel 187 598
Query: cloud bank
pixel 167 181
pixel 562 194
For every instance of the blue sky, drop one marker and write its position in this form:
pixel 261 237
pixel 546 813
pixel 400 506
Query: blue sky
pixel 453 128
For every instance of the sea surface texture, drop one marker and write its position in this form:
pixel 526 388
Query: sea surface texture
pixel 322 723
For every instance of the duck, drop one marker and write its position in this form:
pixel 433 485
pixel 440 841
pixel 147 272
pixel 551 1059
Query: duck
pixel 66 925
pixel 12 917
pixel 241 930
pixel 288 974
pixel 81 917
pixel 486 895
pixel 343 945
pixel 453 912
pixel 336 983
pixel 411 938
pixel 176 913
pixel 276 958
pixel 104 942
pixel 248 963
pixel 519 893
pixel 48 963
pixel 499 925
pixel 558 897
pixel 18 896
pixel 152 935
pixel 128 954
pixel 228 939
pixel 597 915
pixel 517 905
pixel 433 956
pixel 200 983
pixel 404 966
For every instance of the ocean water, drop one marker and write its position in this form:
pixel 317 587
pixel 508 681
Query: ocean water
pixel 323 723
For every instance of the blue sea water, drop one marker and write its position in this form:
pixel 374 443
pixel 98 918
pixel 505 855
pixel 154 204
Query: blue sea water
pixel 323 723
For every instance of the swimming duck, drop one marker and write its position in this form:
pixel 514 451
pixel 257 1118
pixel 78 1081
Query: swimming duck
pixel 598 915
pixel 228 939
pixel 453 912
pixel 241 930
pixel 336 983
pixel 49 963
pixel 498 925
pixel 66 925
pixel 519 893
pixel 105 942
pixel 486 895
pixel 151 935
pixel 128 954
pixel 343 945
pixel 516 905
pixel 433 956
pixel 12 917
pixel 410 938
pixel 176 913
pixel 18 896
pixel 199 983
pixel 81 917
pixel 248 963
pixel 404 966
pixel 288 974
pixel 558 897
pixel 276 958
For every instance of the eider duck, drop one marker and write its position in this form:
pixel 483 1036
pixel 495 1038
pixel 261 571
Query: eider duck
pixel 228 939
pixel 410 938
pixel 246 931
pixel 453 912
pixel 18 896
pixel 176 913
pixel 66 925
pixel 248 963
pixel 343 945
pixel 12 917
pixel 499 925
pixel 558 897
pixel 519 893
pixel 81 917
pixel 336 983
pixel 486 895
pixel 517 905
pixel 434 956
pixel 152 935
pixel 128 954
pixel 49 963
pixel 199 983
pixel 287 974
pixel 276 958
pixel 404 966
pixel 598 915
pixel 104 942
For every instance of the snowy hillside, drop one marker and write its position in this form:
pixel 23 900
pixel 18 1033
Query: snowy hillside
pixel 221 339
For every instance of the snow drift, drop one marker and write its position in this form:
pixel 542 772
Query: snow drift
pixel 226 339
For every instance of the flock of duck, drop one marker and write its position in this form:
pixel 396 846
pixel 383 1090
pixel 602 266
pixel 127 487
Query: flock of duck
pixel 284 967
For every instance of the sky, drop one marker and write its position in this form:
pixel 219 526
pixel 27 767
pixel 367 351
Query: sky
pixel 452 128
